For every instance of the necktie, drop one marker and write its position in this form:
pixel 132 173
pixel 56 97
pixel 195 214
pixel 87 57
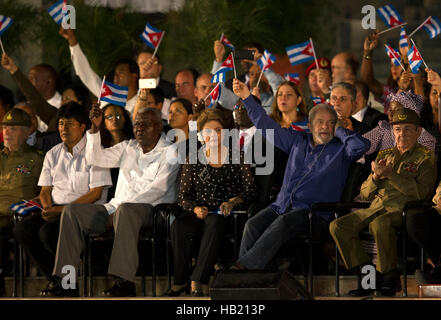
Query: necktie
pixel 242 140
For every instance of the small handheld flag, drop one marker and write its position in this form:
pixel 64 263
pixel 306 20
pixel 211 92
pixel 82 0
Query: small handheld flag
pixel 265 62
pixel 394 56
pixel 293 77
pixel 317 100
pixel 214 95
pixel 403 38
pixel 300 53
pixel 114 94
pixel 390 16
pixel 5 23
pixel 25 206
pixel 225 41
pixel 226 66
pixel 432 26
pixel 152 37
pixel 56 11
pixel 415 58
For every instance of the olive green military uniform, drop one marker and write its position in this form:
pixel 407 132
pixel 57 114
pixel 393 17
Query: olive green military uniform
pixel 413 178
pixel 19 173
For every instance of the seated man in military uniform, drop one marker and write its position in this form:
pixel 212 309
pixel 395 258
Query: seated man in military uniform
pixel 20 166
pixel 400 174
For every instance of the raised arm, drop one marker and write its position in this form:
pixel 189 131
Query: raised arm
pixel 43 109
pixel 367 69
pixel 81 65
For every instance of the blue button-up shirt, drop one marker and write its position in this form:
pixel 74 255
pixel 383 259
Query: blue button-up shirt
pixel 313 173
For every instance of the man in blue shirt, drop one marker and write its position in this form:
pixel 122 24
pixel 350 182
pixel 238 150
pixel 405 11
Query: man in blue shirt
pixel 316 172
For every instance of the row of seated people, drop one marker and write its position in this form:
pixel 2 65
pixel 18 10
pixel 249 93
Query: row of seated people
pixel 147 177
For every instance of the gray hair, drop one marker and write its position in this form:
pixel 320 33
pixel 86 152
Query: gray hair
pixel 349 87
pixel 157 113
pixel 321 107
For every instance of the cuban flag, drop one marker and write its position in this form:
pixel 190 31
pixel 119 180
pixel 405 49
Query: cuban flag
pixel 24 207
pixel 266 60
pixel 114 94
pixel 403 38
pixel 433 27
pixel 58 11
pixel 390 16
pixel 293 77
pixel 317 100
pixel 226 66
pixel 214 95
pixel 151 36
pixel 226 42
pixel 300 53
pixel 393 55
pixel 415 59
pixel 5 23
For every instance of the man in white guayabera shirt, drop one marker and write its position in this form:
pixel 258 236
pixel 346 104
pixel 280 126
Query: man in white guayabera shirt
pixel 145 179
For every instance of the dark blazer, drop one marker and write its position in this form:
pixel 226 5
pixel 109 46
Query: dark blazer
pixel 360 127
pixel 372 117
pixel 167 88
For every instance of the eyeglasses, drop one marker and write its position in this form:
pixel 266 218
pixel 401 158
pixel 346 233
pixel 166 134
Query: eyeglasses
pixel 113 116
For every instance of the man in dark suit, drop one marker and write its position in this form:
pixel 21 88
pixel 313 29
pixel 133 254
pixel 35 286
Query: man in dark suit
pixel 363 111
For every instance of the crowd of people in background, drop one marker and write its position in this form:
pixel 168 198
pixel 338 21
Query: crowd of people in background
pixel 93 166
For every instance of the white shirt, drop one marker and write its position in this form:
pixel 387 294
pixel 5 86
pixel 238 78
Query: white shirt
pixel 70 176
pixel 360 114
pixel 143 177
pixel 55 101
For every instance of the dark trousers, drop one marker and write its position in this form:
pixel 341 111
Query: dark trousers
pixel 6 224
pixel 38 238
pixel 424 228
pixel 189 226
pixel 267 231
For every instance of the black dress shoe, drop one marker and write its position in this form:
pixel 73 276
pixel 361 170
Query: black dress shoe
pixel 54 289
pixel 361 292
pixel 121 288
pixel 176 293
pixel 390 286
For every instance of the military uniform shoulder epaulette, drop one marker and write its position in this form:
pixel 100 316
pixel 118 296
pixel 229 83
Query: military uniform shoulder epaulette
pixel 385 151
pixel 424 149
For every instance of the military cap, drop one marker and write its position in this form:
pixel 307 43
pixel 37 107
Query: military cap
pixel 323 64
pixel 16 117
pixel 405 115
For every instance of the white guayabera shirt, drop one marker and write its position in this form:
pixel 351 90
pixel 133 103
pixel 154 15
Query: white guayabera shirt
pixel 143 177
pixel 70 176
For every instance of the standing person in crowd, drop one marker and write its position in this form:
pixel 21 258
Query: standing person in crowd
pixel 151 68
pixel 343 99
pixel 20 166
pixel 209 191
pixel 146 178
pixel 316 172
pixel 289 108
pixel 76 93
pixel 126 71
pixel 65 178
pixel 36 93
pixel 319 78
pixel 399 174
pixel 363 112
pixel 185 84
